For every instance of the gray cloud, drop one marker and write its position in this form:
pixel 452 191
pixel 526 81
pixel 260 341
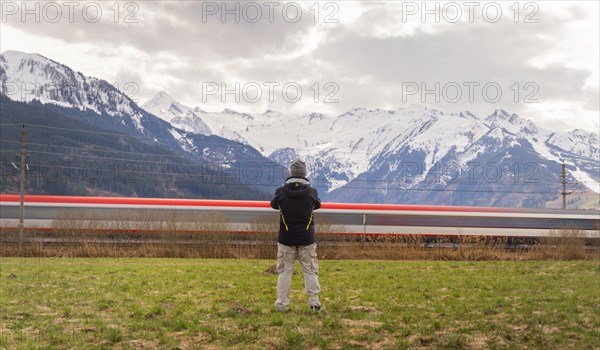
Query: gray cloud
pixel 489 54
pixel 170 26
pixel 368 67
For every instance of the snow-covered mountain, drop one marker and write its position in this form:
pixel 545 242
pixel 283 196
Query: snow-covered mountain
pixel 408 155
pixel 25 77
pixel 176 113
pixel 385 155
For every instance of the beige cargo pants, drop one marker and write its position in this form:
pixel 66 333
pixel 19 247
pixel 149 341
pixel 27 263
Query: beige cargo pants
pixel 286 257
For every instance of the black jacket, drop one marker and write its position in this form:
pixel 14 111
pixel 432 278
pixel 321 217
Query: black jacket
pixel 296 200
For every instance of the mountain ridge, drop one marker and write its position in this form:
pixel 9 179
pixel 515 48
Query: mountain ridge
pixel 97 102
pixel 424 128
pixel 346 151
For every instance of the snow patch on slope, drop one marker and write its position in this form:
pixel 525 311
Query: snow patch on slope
pixel 186 144
pixel 352 143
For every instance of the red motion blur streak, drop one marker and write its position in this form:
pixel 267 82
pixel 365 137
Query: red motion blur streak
pixel 231 203
pixel 133 201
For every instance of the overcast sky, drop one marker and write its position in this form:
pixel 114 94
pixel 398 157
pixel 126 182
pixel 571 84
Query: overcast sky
pixel 542 57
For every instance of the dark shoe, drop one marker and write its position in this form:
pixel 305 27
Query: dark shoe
pixel 316 308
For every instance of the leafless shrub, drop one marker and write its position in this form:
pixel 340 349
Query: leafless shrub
pixel 564 244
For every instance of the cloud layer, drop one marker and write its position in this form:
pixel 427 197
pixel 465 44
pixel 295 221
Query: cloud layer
pixel 341 55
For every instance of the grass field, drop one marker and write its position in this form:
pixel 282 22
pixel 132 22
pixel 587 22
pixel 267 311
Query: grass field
pixel 211 304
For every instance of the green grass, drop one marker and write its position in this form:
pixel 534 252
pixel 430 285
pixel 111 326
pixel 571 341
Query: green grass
pixel 211 304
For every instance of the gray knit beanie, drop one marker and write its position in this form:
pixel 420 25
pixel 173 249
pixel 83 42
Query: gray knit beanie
pixel 298 168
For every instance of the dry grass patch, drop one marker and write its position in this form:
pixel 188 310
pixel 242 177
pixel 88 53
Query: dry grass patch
pixel 191 234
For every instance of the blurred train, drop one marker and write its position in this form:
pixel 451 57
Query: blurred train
pixel 41 211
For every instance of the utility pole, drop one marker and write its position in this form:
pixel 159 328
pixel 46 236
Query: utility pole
pixel 22 204
pixel 564 186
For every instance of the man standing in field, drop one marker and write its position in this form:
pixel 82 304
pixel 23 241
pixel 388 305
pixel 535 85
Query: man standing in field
pixel 296 200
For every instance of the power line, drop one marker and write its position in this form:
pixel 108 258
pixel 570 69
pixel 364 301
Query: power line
pixel 152 138
pixel 194 165
pixel 426 175
pixel 110 158
pixel 190 177
pixel 212 163
pixel 86 131
pixel 102 149
pixel 128 159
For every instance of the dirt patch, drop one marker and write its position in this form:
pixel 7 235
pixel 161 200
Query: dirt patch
pixel 476 341
pixel 364 309
pixel 189 342
pixel 240 310
pixel 151 315
pixel 361 344
pixel 523 328
pixel 271 270
pixel 357 331
pixel 361 323
pixel 549 330
pixel 139 344
pixel 88 329
pixel 384 344
pixel 419 340
pixel 45 310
